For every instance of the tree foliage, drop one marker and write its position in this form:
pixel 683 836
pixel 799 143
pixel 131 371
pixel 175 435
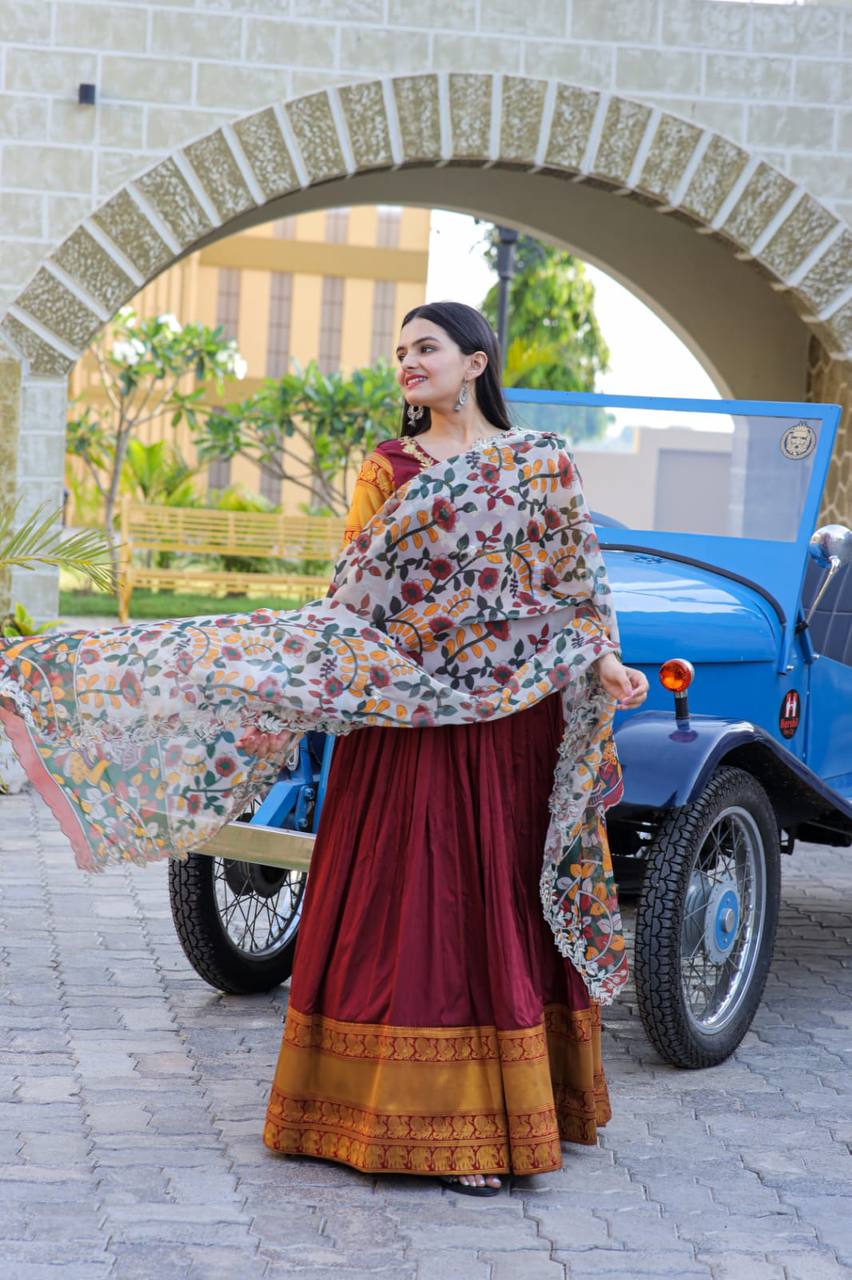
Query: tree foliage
pixel 309 428
pixel 146 368
pixel 554 341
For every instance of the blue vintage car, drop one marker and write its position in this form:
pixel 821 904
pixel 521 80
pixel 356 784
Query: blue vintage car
pixel 739 610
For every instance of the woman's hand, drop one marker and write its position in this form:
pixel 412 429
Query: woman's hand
pixel 263 745
pixel 628 686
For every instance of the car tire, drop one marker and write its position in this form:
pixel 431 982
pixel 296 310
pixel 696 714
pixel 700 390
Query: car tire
pixel 203 927
pixel 708 912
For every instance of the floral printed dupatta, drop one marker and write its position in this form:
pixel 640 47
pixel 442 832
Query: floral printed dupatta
pixel 477 590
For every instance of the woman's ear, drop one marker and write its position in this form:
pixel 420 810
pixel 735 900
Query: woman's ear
pixel 477 363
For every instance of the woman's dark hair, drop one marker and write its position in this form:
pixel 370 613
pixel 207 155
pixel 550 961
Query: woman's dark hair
pixel 470 331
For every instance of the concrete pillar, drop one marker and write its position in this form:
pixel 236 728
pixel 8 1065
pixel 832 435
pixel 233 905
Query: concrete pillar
pixel 830 382
pixel 32 448
pixel 10 417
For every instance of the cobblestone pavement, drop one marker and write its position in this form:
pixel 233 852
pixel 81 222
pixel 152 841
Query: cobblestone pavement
pixel 131 1097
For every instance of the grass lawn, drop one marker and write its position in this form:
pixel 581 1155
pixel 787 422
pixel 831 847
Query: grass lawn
pixel 164 604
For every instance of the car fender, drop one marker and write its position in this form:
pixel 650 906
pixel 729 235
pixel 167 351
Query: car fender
pixel 667 763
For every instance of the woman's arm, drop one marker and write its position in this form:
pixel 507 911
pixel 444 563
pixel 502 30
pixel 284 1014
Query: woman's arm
pixel 373 487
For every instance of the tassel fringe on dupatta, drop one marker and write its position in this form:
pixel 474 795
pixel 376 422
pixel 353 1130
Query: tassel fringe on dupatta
pixel 477 590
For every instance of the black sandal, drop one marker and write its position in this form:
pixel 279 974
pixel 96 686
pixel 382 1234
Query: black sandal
pixel 465 1189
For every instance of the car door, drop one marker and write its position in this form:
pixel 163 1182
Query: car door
pixel 829 707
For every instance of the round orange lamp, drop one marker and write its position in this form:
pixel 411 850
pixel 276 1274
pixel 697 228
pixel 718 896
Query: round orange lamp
pixel 676 675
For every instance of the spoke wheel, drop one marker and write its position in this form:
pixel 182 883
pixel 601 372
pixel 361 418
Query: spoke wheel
pixel 259 907
pixel 706 921
pixel 236 921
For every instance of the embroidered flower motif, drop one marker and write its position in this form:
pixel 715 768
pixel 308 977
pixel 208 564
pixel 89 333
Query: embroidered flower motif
pixel 552 518
pixel 444 514
pixel 379 677
pixel 441 567
pixel 411 592
pixel 421 718
pixel 488 578
pixel 440 624
pixel 193 803
pixel 131 688
pixel 224 766
pixel 550 578
pixel 268 689
pixel 498 629
pixel 534 531
pixel 333 687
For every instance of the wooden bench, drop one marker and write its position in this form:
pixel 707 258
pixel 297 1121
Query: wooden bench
pixel 147 530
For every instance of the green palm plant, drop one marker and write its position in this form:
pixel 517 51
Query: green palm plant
pixel 157 472
pixel 40 541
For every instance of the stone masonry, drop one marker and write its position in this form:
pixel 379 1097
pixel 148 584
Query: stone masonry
pixel 132 1098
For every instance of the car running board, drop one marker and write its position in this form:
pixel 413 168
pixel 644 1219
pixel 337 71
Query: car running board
pixel 269 846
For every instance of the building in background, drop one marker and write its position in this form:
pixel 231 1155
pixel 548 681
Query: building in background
pixel 328 286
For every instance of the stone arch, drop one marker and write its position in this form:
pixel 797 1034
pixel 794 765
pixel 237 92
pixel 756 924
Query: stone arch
pixel 483 121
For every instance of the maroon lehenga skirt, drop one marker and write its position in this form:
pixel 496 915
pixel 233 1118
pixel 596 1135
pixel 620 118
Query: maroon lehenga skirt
pixel 432 1026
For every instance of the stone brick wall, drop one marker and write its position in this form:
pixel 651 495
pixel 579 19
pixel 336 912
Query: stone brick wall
pixel 776 79
pixel 830 382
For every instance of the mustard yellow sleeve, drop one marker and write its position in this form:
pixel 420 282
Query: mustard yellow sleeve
pixel 372 489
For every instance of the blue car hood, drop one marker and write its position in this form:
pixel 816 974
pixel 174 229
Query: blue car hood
pixel 666 609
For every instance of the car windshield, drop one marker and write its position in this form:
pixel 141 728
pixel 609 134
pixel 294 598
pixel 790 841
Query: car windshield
pixel 683 470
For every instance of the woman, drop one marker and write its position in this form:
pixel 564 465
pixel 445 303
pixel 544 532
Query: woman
pixel 433 1028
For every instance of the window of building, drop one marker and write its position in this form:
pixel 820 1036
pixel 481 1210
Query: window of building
pixel 384 307
pixel 278 331
pixel 284 228
pixel 388 228
pixel 337 226
pixel 219 473
pixel 270 486
pixel 228 301
pixel 331 323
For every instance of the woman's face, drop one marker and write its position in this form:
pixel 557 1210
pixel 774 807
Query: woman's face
pixel 430 366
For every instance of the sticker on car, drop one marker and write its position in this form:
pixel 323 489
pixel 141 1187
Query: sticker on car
pixel 799 442
pixel 788 718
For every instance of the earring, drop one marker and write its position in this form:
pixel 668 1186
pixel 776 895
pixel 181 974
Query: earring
pixel 462 397
pixel 414 413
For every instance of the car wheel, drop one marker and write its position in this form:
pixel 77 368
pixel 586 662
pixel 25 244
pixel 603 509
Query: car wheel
pixel 706 920
pixel 236 921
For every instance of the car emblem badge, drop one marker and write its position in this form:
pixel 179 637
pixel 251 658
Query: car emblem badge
pixel 788 718
pixel 799 442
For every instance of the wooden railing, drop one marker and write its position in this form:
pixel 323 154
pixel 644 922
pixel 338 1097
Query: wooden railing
pixel 148 530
